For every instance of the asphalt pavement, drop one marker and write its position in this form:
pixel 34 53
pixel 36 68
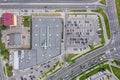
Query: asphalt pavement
pixel 48 6
pixel 115 32
pixel 48 1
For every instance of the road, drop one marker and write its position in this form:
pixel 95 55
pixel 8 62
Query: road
pixel 82 68
pixel 48 1
pixel 22 6
pixel 79 62
pixel 115 28
pixel 115 33
pixel 49 6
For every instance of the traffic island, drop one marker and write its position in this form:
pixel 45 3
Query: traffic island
pixel 69 58
pixel 103 2
pixel 118 9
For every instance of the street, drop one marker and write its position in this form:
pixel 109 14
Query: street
pixel 68 71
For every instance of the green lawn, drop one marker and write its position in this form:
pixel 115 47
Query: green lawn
pixel 2 45
pixel 118 9
pixel 116 71
pixel 117 62
pixel 59 10
pixel 91 46
pixel 103 2
pixel 69 58
pixel 27 21
pixel 78 11
pixel 2 27
pixel 9 70
pixel 5 54
pixel 101 11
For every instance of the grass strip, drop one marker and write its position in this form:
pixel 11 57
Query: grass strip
pixel 103 2
pixel 118 9
pixel 116 71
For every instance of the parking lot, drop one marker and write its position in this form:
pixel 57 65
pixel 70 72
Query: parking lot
pixel 32 73
pixel 81 31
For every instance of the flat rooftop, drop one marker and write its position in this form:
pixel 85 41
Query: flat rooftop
pixel 27 58
pixel 15 39
pixel 46 37
pixel 46 41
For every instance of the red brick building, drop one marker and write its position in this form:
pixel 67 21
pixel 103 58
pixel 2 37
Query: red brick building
pixel 9 19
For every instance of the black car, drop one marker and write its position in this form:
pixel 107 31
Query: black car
pixel 21 78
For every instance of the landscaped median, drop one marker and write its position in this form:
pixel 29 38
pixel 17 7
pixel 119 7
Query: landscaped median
pixel 100 67
pixel 107 25
pixel 59 10
pixel 78 10
pixel 103 2
pixel 118 9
